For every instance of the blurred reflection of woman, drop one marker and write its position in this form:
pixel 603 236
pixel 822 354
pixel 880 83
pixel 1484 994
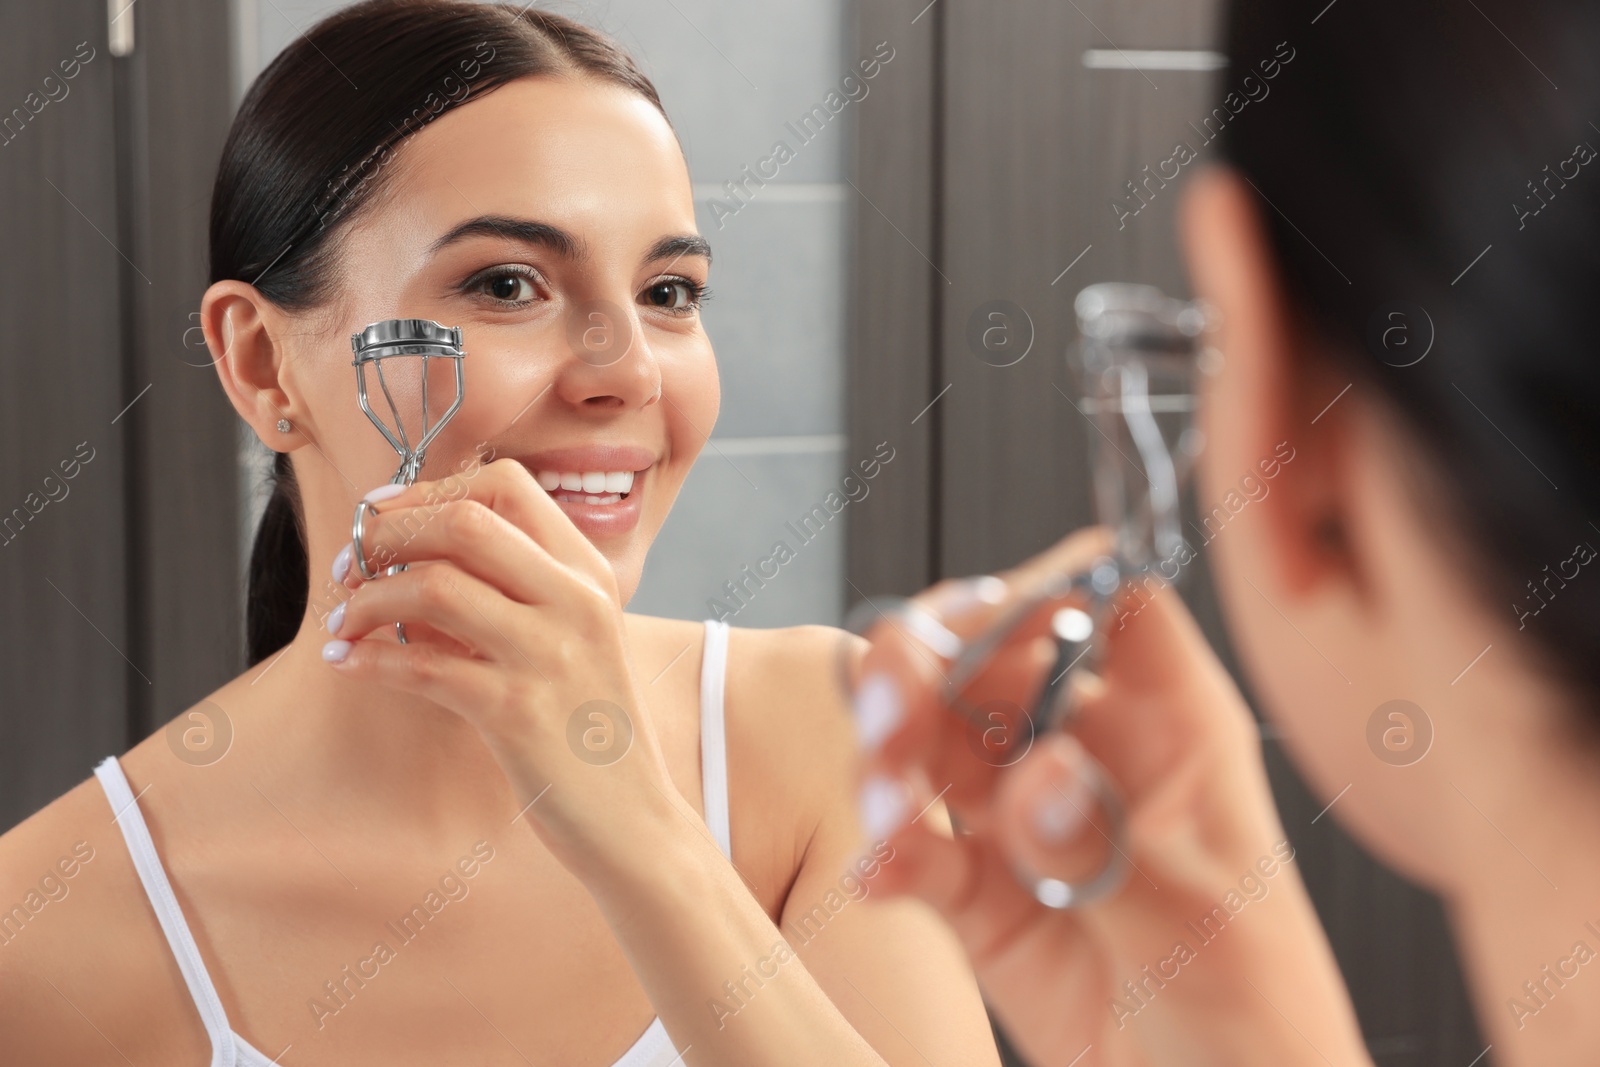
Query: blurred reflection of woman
pixel 1411 176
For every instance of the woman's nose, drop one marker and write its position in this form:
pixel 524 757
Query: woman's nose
pixel 610 361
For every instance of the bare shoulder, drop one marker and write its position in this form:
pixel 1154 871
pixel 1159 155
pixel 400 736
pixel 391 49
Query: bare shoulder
pixel 50 863
pixel 789 684
pixel 791 741
pixel 83 964
pixel 783 694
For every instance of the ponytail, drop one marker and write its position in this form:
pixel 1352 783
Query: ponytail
pixel 279 568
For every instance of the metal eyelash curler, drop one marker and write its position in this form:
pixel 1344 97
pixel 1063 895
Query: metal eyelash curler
pixel 421 340
pixel 1138 362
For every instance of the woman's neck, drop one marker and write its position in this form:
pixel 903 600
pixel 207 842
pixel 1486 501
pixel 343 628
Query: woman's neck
pixel 1526 904
pixel 369 747
pixel 377 751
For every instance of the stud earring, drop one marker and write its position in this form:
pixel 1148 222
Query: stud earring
pixel 283 426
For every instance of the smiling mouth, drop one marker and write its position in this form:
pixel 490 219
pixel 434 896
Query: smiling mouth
pixel 586 487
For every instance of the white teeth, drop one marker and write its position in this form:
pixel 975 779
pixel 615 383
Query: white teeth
pixel 600 486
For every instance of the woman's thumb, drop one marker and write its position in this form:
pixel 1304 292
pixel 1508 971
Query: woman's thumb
pixel 1055 821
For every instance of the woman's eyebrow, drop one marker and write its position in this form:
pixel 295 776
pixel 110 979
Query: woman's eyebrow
pixel 527 231
pixel 676 246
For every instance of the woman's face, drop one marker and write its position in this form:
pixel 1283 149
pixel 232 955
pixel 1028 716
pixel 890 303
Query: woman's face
pixel 1347 594
pixel 552 220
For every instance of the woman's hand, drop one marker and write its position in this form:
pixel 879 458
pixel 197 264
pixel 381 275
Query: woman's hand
pixel 1210 952
pixel 514 622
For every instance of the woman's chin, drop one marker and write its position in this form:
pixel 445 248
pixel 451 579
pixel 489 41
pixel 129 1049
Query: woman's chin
pixel 603 517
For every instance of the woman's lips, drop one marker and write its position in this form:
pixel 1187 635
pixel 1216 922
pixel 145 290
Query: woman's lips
pixel 602 515
pixel 600 487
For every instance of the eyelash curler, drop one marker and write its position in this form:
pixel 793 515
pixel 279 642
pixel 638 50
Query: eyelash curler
pixel 1138 362
pixel 421 340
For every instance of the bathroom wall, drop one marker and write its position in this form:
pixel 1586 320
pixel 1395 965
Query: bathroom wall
pixel 736 79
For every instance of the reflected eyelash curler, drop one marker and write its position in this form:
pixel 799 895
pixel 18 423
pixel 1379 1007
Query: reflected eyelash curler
pixel 1138 361
pixel 416 342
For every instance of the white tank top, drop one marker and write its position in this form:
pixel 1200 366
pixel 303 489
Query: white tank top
pixel 653 1048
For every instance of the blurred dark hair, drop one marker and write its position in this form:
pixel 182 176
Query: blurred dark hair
pixel 307 153
pixel 1403 151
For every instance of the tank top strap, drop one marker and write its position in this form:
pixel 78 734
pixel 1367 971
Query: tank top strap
pixel 713 735
pixel 126 814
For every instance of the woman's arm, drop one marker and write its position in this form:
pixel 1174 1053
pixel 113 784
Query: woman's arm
pixel 894 970
pixel 886 976
pixel 515 624
pixel 728 984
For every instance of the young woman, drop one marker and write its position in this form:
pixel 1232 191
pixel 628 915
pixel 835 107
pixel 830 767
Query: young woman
pixel 1400 245
pixel 542 830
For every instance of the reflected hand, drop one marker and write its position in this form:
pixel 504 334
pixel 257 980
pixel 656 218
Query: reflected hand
pixel 1153 973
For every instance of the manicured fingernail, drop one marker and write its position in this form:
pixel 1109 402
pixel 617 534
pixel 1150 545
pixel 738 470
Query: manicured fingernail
pixel 336 618
pixel 335 651
pixel 384 492
pixel 878 710
pixel 341 563
pixel 883 804
pixel 969 592
pixel 1060 813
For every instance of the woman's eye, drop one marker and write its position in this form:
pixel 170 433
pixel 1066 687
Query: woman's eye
pixel 506 285
pixel 673 294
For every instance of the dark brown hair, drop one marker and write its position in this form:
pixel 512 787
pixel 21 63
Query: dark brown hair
pixel 308 152
pixel 1409 158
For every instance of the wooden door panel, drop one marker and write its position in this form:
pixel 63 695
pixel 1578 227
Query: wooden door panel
pixel 63 569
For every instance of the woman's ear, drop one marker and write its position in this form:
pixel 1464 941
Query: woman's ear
pixel 1275 416
pixel 243 330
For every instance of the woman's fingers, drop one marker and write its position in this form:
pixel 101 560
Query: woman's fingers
pixel 469 687
pixel 507 489
pixel 1162 700
pixel 960 742
pixel 1038 967
pixel 915 708
pixel 470 612
pixel 465 533
pixel 1052 816
pixel 416 631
